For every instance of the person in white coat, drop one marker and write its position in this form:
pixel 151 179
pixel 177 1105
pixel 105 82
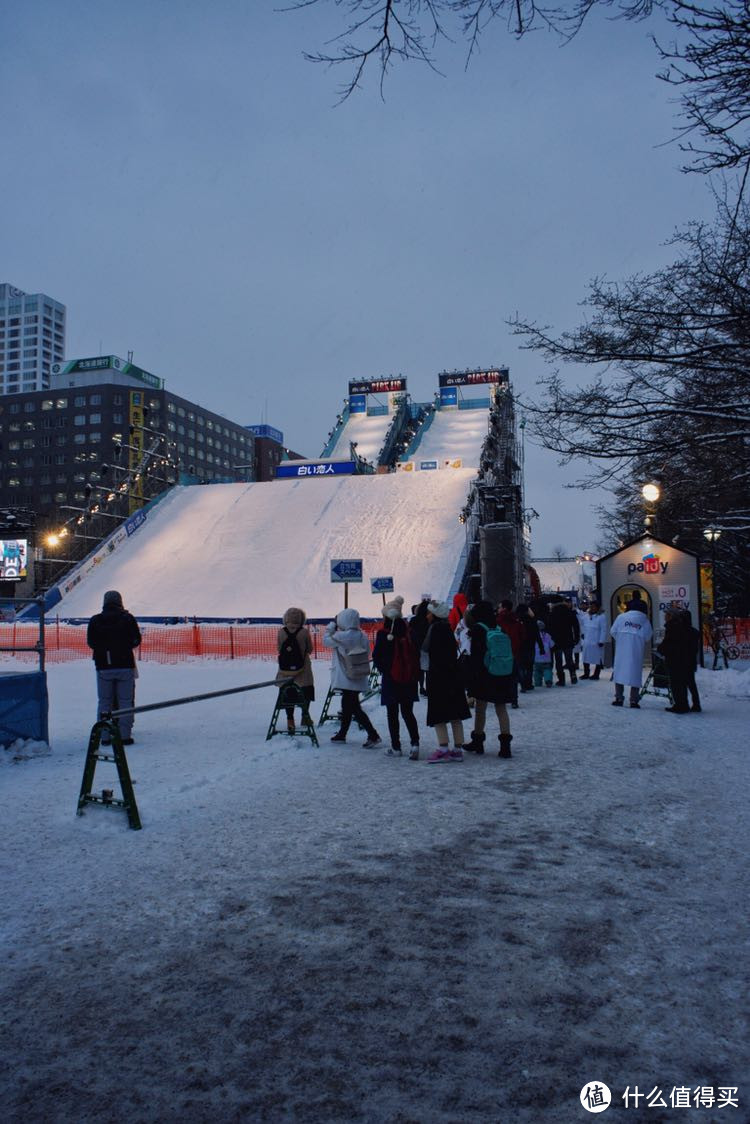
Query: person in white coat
pixel 631 632
pixel 594 632
pixel 350 671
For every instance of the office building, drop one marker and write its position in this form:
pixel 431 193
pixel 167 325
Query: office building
pixel 32 339
pixel 107 435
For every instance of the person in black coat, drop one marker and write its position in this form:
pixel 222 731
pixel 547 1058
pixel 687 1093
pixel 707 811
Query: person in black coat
pixel 696 647
pixel 397 695
pixel 677 649
pixel 446 697
pixel 483 687
pixel 563 627
pixel 112 636
pixel 529 641
pixel 418 626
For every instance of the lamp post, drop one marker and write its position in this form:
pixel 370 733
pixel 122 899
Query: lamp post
pixel 712 534
pixel 651 493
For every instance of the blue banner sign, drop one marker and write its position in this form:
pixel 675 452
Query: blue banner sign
pixel 318 469
pixel 357 403
pixel 425 466
pixel 267 431
pixel 346 569
pixel 135 522
pixel 381 585
pixel 448 396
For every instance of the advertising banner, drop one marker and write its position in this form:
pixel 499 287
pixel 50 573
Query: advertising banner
pixel 448 396
pixel 303 469
pixel 473 378
pixel 376 386
pixel 357 403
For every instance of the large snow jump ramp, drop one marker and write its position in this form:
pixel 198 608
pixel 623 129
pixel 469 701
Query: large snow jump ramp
pixel 251 550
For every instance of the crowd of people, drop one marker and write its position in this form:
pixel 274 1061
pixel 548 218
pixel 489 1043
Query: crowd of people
pixel 461 657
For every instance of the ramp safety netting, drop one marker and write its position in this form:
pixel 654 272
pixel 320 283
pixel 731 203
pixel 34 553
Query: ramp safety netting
pixel 166 643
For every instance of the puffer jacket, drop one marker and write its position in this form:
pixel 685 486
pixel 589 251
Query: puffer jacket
pixel 345 635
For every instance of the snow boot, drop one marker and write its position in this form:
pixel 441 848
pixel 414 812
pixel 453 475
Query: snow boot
pixel 476 745
pixel 505 740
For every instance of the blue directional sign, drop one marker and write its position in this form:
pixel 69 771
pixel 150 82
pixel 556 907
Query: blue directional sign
pixel 346 569
pixel 381 585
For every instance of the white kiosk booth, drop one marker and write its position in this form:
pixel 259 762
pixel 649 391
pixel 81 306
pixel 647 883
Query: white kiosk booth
pixel 662 574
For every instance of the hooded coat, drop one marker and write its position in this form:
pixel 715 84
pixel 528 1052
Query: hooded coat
pixel 344 635
pixel 460 602
pixel 112 635
pixel 294 621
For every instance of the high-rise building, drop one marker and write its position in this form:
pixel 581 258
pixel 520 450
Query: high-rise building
pixel 32 338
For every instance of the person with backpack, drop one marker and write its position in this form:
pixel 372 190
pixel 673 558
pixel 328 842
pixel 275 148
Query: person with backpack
pixel 294 645
pixel 514 629
pixel 397 660
pixel 446 698
pixel 492 676
pixel 350 672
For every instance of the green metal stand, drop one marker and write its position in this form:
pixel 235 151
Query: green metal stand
pixel 292 695
pixel 107 799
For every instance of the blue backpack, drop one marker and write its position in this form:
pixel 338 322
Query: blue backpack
pixel 498 658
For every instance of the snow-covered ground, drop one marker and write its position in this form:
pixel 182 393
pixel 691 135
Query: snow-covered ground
pixel 328 934
pixel 455 434
pixel 251 550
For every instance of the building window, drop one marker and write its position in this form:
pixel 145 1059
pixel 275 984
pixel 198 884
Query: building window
pixel 118 419
pixel 61 403
pixel 95 400
pixel 15 408
pixel 171 408
pixel 79 400
pixel 95 419
pixel 47 404
pixel 45 479
pixel 180 412
pixel 79 419
pixel 117 400
pixel 95 438
pixel 45 498
pixel 79 438
pixel 61 497
pixel 29 443
pixel 59 458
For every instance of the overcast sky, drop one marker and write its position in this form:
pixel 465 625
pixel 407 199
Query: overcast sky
pixel 181 178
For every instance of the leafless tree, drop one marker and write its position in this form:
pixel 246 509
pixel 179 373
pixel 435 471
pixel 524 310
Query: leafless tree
pixel 708 61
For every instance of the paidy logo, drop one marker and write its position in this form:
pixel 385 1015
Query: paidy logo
pixel 651 564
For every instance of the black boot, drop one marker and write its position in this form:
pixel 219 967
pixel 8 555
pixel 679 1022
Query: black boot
pixel 505 740
pixel 476 745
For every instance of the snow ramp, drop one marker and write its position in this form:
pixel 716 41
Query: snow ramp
pixel 252 550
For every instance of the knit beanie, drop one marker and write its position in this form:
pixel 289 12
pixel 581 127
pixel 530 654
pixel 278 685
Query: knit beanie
pixel 112 597
pixel 392 609
pixel 439 609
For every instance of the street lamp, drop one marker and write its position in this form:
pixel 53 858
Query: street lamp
pixel 713 533
pixel 651 493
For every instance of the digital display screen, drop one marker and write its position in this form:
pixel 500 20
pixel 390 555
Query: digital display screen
pixel 15 559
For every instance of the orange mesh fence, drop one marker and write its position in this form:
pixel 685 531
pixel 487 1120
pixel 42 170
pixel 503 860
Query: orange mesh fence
pixel 164 643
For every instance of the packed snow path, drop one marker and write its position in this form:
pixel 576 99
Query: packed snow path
pixel 328 934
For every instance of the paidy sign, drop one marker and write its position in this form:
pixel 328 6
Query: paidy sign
pixel 663 574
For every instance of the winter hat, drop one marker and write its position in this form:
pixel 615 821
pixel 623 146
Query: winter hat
pixel 294 617
pixel 392 609
pixel 439 609
pixel 112 597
